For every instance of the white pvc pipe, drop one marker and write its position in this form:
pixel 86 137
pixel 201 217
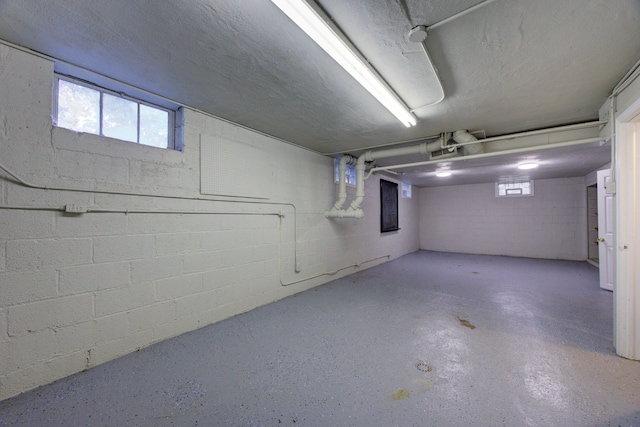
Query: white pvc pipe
pixel 354 210
pixel 535 132
pixel 336 211
pixel 342 183
pixel 388 144
pixel 370 156
pixel 464 137
pixel 394 152
pixel 493 154
pixel 435 145
pixel 492 139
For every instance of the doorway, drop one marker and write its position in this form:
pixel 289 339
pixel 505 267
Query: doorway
pixel 627 205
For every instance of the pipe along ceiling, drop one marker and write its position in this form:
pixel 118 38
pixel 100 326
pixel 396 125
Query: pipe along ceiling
pixel 459 145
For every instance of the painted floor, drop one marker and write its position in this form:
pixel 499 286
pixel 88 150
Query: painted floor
pixel 429 339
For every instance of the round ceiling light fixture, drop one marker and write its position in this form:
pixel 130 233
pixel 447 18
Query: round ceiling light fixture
pixel 525 166
pixel 443 174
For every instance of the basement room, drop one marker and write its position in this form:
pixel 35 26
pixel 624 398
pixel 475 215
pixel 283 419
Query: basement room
pixel 319 213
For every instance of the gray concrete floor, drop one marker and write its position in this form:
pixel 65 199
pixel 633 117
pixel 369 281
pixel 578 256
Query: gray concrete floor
pixel 430 339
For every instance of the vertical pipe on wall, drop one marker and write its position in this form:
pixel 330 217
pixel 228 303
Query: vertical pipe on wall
pixel 369 156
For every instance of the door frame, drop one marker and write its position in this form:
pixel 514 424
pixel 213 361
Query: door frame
pixel 627 236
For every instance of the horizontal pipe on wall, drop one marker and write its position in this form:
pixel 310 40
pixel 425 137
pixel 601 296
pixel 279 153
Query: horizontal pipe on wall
pixel 493 154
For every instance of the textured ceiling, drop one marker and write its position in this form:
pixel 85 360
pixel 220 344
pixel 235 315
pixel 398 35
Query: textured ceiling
pixel 506 66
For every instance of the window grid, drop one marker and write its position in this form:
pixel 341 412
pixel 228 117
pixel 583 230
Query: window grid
pixel 514 189
pixel 170 138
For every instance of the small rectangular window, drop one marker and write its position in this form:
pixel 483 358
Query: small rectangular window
pixel 514 189
pixel 406 190
pixel 82 107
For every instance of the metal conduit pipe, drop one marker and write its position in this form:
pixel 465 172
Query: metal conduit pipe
pixel 459 14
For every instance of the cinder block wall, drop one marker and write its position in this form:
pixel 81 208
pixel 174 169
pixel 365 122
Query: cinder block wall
pixel 79 290
pixel 470 219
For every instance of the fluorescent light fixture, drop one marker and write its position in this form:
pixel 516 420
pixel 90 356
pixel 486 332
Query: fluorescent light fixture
pixel 312 20
pixel 526 166
pixel 443 174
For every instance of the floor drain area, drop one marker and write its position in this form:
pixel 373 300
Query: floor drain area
pixel 421 366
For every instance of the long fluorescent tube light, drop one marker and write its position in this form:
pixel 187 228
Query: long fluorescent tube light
pixel 313 21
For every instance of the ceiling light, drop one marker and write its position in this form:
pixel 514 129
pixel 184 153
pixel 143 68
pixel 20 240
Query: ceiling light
pixel 525 166
pixel 313 21
pixel 443 174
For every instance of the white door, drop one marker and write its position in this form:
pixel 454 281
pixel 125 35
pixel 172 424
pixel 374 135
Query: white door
pixel 605 231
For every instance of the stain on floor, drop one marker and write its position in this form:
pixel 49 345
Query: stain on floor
pixel 466 323
pixel 400 394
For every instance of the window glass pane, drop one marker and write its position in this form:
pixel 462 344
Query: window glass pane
pixel 84 108
pixel 119 118
pixel 154 127
pixel 78 107
pixel 406 190
pixel 524 188
pixel 351 175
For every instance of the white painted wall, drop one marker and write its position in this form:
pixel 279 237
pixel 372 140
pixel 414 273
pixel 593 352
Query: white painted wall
pixel 78 290
pixel 470 219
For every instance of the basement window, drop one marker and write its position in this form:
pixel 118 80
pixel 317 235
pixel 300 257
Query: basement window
pixel 84 107
pixel 406 191
pixel 514 189
pixel 350 174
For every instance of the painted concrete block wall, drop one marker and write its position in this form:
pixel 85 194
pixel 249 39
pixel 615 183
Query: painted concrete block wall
pixel 470 219
pixel 153 258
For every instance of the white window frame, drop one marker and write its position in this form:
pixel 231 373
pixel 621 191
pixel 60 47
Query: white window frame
pixel 516 188
pixel 173 138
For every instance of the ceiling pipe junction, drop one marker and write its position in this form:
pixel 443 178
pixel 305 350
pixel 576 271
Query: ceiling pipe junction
pixel 458 145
